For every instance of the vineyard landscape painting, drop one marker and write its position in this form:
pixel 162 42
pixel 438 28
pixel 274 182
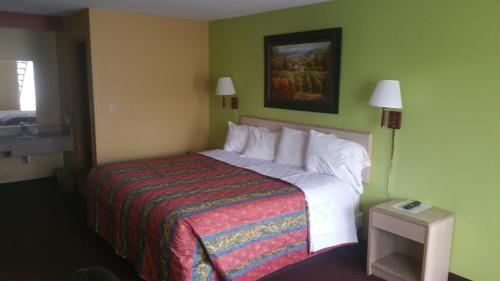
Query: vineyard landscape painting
pixel 300 72
pixel 302 76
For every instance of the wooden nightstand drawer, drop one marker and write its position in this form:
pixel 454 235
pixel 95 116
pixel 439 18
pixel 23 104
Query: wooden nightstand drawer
pixel 400 227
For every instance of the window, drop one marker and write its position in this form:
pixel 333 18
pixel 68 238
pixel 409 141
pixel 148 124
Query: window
pixel 26 81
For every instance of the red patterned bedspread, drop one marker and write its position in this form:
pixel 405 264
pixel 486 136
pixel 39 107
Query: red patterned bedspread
pixel 192 217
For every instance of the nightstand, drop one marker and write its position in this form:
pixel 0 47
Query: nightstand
pixel 407 246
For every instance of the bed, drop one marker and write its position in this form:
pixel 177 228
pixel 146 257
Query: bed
pixel 217 216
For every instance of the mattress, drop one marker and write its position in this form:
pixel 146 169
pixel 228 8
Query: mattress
pixel 332 203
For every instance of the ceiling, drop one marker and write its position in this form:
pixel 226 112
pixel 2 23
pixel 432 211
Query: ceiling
pixel 189 9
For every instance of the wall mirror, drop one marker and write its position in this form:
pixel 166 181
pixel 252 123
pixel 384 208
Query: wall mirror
pixel 17 93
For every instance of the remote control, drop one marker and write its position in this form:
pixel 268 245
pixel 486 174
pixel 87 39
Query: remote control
pixel 411 205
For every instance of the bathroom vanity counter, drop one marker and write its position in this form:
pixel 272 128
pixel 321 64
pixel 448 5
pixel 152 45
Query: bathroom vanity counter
pixel 45 142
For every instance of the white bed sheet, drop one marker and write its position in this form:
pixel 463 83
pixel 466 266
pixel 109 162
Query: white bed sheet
pixel 332 203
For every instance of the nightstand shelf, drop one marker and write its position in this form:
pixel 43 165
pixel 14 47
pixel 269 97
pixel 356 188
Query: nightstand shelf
pixel 403 246
pixel 397 265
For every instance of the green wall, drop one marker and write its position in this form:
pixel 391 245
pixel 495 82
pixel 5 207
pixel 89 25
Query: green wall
pixel 446 53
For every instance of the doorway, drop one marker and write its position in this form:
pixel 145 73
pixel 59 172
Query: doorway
pixel 82 123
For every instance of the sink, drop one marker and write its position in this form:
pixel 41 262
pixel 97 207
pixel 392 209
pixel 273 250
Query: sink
pixel 19 141
pixel 18 146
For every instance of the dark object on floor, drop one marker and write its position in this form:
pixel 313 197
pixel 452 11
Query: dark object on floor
pixel 44 237
pixel 95 273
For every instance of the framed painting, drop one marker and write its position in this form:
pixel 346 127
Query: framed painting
pixel 302 70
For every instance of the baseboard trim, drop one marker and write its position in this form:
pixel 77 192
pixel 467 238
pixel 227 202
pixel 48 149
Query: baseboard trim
pixel 454 277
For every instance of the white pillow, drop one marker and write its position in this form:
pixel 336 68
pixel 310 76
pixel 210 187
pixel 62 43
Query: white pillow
pixel 261 144
pixel 327 154
pixel 292 147
pixel 237 137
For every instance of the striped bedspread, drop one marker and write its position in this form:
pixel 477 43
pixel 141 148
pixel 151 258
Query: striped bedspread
pixel 192 217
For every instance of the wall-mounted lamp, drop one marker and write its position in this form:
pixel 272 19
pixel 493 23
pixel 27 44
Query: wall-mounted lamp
pixel 225 87
pixel 387 95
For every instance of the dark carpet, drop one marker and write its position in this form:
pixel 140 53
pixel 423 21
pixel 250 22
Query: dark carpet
pixel 43 236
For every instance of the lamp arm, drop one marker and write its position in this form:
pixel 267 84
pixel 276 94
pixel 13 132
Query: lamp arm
pixel 383 118
pixel 391 164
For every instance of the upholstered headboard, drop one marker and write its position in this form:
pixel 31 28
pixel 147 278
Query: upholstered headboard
pixel 363 138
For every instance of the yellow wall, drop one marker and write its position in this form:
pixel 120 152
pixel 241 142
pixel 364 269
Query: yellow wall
pixel 39 47
pixel 155 70
pixel 9 93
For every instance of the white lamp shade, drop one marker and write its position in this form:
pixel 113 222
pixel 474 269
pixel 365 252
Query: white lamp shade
pixel 225 87
pixel 387 94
